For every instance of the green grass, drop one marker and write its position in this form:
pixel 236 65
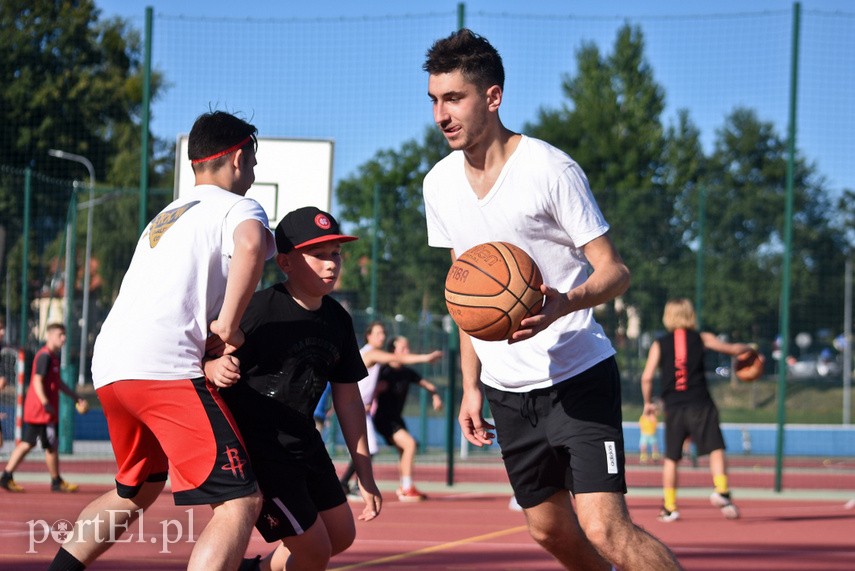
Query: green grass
pixel 808 402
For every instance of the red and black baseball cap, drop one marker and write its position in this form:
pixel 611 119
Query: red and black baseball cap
pixel 306 226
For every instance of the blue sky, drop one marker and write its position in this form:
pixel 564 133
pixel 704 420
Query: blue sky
pixel 371 126
pixel 327 8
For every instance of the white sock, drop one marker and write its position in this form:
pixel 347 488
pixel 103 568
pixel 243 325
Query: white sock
pixel 406 482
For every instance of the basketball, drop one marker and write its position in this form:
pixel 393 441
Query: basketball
pixel 749 366
pixel 490 288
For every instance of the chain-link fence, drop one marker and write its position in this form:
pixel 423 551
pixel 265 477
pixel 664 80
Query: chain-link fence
pixel 707 65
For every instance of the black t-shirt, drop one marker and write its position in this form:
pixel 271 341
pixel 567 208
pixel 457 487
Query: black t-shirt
pixel 289 355
pixel 681 361
pixel 394 385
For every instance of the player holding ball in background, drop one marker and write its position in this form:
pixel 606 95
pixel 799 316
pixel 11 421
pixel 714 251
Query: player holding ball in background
pixel 689 408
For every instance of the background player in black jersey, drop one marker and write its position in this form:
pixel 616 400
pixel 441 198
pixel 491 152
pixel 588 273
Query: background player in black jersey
pixel 392 389
pixel 297 339
pixel 689 407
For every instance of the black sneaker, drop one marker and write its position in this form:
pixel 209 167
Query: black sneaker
pixel 64 487
pixel 8 483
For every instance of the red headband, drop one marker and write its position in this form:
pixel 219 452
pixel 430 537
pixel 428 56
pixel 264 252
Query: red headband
pixel 231 149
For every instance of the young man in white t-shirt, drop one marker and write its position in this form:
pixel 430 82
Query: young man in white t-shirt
pixel 192 274
pixel 554 390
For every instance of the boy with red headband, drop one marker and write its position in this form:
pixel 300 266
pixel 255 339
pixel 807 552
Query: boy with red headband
pixel 192 275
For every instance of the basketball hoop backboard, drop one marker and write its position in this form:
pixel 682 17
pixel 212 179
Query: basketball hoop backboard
pixel 290 173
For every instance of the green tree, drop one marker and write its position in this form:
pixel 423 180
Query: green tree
pixel 745 218
pixel 648 181
pixel 684 173
pixel 71 82
pixel 410 275
pixel 611 125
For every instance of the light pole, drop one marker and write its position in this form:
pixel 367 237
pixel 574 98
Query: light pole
pixel 84 325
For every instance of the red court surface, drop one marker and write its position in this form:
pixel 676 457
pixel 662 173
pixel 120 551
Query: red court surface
pixel 459 531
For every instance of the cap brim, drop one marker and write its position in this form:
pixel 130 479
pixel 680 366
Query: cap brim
pixel 327 238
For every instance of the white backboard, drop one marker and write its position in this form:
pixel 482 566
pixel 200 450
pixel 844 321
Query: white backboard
pixel 290 173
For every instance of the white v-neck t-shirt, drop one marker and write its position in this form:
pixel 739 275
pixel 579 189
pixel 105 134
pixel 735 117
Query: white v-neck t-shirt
pixel 541 202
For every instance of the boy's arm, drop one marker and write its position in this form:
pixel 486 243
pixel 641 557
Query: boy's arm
pixel 431 388
pixel 418 358
pixel 374 356
pixel 647 377
pixel 351 417
pixel 715 344
pixel 39 388
pixel 69 391
pixel 222 371
pixel 245 269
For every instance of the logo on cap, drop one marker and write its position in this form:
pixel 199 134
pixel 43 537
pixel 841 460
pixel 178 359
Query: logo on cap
pixel 321 221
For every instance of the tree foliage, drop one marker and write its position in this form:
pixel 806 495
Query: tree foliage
pixel 611 125
pixel 409 274
pixel 71 82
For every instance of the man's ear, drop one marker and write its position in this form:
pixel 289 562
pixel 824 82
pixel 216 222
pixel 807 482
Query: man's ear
pixel 494 97
pixel 284 262
pixel 238 159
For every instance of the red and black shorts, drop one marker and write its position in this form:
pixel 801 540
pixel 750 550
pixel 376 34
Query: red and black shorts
pixel 182 428
pixel 564 437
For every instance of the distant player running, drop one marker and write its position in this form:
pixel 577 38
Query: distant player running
pixel 375 356
pixel 393 386
pixel 41 413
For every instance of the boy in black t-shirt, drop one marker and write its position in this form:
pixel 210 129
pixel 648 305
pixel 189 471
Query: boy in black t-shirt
pixel 392 390
pixel 298 338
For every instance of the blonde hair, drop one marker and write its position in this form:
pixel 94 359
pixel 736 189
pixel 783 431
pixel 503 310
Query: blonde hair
pixel 679 314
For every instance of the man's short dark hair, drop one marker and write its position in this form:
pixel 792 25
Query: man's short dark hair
pixel 55 325
pixel 469 53
pixel 214 133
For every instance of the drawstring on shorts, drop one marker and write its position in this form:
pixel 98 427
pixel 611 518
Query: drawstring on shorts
pixel 527 408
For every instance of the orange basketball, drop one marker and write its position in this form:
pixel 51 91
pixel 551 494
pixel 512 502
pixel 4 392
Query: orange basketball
pixel 749 366
pixel 490 288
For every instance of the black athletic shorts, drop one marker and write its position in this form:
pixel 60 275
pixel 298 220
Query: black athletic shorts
pixel 46 433
pixel 386 426
pixel 698 421
pixel 295 490
pixel 565 437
